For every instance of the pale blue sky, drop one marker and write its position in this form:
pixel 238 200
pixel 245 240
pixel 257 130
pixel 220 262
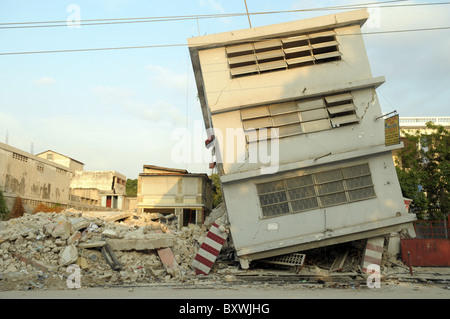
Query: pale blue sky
pixel 117 110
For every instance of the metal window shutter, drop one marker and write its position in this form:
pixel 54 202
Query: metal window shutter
pixel 295 39
pixel 352 118
pixel 297 49
pixel 338 98
pixel 255 112
pixel 341 108
pixel 262 122
pixel 282 108
pixel 324 45
pixel 269 44
pixel 312 115
pixel 236 49
pixel 322 34
pixel 248 69
pixel 302 59
pixel 274 65
pixel 242 59
pixel 327 55
pixel 315 126
pixel 289 130
pixel 285 119
pixel 310 105
pixel 270 54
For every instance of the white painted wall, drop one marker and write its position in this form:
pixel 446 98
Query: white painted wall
pixel 252 233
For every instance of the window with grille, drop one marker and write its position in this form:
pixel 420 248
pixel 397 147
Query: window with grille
pixel 281 54
pixel 301 116
pixel 308 192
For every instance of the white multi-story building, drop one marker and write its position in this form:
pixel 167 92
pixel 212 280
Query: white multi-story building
pixel 299 135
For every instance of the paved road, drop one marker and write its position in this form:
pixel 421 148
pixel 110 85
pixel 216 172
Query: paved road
pixel 405 290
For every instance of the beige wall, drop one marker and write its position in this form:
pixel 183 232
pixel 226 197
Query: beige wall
pixel 174 191
pixel 32 178
pixel 103 180
pixel 62 160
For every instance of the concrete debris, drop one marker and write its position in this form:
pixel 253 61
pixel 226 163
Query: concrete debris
pixel 68 256
pixel 44 245
pixel 38 250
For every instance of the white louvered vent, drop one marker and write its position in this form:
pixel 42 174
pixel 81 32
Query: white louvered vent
pixel 281 54
pixel 300 116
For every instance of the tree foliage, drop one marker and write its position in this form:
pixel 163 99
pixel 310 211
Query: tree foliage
pixel 423 169
pixel 131 187
pixel 217 190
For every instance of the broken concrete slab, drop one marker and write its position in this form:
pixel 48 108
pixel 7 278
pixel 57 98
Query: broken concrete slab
pixel 339 261
pixel 148 242
pixel 79 223
pixel 109 216
pixel 62 230
pixel 68 256
pixel 92 244
pixel 167 257
pixel 110 233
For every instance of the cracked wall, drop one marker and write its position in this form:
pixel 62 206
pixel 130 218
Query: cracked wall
pixel 32 178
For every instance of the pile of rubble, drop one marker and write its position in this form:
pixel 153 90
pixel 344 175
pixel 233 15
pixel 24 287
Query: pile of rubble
pixel 37 250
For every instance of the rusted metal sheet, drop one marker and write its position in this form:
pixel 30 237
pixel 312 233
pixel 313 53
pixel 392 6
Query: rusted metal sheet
pixel 426 252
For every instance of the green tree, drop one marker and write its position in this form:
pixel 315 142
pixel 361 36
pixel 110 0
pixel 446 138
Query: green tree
pixel 4 212
pixel 423 169
pixel 131 187
pixel 217 190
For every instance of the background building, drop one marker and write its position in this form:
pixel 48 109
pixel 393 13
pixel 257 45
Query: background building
pixel 174 191
pixel 100 188
pixel 63 160
pixel 34 179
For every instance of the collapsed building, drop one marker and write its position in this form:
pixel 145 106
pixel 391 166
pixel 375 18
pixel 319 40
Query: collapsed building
pixel 292 114
pixel 94 188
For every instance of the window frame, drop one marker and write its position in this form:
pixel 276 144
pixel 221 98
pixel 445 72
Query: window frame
pixel 310 115
pixel 320 198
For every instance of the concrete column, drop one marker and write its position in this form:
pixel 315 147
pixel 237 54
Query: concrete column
pixel 373 252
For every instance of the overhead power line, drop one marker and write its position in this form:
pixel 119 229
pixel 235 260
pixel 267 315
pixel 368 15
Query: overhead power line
pixel 185 44
pixel 91 22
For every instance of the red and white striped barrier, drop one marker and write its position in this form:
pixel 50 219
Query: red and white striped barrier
pixel 209 250
pixel 373 252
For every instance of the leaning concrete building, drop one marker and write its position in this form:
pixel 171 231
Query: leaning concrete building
pixel 298 133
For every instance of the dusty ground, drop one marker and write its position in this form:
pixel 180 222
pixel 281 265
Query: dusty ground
pixel 426 283
pixel 401 290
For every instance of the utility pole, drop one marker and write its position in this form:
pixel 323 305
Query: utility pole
pixel 246 8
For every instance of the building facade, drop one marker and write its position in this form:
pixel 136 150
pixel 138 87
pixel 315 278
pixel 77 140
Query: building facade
pixel 100 188
pixel 298 135
pixel 167 191
pixel 34 179
pixel 63 160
